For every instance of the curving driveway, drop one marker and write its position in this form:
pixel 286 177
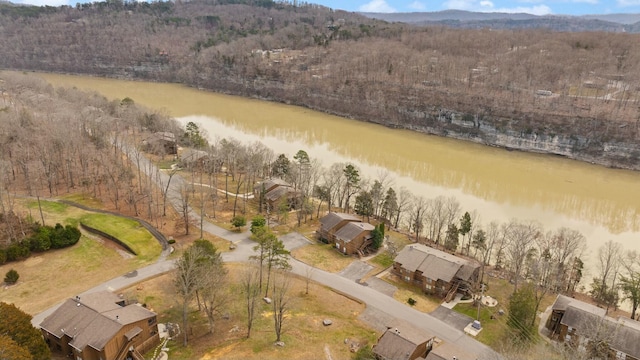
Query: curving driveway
pixel 376 301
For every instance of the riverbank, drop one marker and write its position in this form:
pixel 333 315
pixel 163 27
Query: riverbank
pixel 574 138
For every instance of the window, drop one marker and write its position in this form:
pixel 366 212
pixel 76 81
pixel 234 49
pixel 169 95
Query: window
pixel 151 321
pixel 406 278
pixel 428 287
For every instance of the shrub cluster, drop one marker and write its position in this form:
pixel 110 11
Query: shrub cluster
pixel 43 239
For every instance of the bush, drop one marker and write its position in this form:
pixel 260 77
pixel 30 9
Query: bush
pixel 17 251
pixel 239 221
pixel 64 236
pixel 411 301
pixel 3 256
pixel 171 241
pixel 11 277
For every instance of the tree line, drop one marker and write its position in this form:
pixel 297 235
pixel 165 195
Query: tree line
pixel 534 85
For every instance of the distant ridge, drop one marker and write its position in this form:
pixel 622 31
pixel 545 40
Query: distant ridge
pixel 476 20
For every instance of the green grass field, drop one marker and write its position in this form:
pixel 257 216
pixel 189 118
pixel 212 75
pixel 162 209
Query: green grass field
pixel 128 231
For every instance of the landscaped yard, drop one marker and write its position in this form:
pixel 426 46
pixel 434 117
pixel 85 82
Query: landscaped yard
pixel 303 333
pixel 129 232
pixel 48 278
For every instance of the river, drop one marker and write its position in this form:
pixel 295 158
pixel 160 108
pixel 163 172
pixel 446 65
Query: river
pixel 602 203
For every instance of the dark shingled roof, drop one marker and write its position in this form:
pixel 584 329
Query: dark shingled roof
pixel 400 341
pixel 92 320
pixel 332 219
pixel 435 264
pixel 587 319
pixel 270 183
pixel 351 230
pixel 278 192
pixel 446 351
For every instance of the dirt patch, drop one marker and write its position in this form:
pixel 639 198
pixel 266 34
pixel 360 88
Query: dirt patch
pixel 33 261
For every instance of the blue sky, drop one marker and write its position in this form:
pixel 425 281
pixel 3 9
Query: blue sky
pixel 537 7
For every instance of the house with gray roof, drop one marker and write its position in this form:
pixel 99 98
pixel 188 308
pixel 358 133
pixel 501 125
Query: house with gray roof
pixel 100 326
pixel 331 223
pixel 353 237
pixel 435 272
pixel 403 341
pixel 577 324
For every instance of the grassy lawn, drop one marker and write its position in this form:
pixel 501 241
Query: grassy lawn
pixel 85 199
pixel 400 240
pixel 322 256
pixel 405 291
pixel 383 260
pixel 303 333
pixel 495 331
pixel 127 231
pixel 51 277
pixel 52 207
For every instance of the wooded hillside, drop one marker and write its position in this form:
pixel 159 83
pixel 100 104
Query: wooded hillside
pixel 573 94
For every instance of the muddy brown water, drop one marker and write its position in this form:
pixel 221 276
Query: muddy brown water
pixel 602 203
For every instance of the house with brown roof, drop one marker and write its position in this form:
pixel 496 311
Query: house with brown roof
pixel 99 326
pixel 403 341
pixel 274 191
pixel 194 159
pixel 331 223
pixel 449 351
pixel 353 237
pixel 577 323
pixel 162 142
pixel 435 272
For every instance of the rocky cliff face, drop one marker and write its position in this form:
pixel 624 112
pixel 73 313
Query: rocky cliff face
pixel 611 152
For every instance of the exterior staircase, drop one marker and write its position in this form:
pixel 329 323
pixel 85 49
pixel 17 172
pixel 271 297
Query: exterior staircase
pixel 452 292
pixel 363 247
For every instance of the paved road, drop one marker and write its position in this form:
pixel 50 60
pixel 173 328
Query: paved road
pixel 244 249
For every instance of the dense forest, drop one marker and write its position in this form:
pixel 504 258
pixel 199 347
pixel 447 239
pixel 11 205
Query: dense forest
pixel 573 94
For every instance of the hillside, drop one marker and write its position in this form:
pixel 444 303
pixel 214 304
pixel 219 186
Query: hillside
pixel 572 94
pixel 479 20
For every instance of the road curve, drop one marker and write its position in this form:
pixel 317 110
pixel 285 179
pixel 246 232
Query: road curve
pixel 244 249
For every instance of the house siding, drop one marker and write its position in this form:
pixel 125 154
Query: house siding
pixel 351 247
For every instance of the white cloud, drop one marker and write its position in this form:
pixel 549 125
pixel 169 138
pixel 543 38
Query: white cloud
pixel 379 6
pixel 486 4
pixel 41 2
pixel 417 5
pixel 625 3
pixel 534 10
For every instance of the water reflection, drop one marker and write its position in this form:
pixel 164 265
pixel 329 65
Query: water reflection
pixel 584 192
pixel 601 203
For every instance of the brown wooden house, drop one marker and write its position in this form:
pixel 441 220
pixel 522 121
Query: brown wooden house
pixel 331 223
pixel 274 191
pixel 577 323
pixel 99 326
pixel 403 341
pixel 353 237
pixel 435 272
pixel 162 142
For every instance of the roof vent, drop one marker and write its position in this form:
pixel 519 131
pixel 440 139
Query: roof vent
pixel 117 317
